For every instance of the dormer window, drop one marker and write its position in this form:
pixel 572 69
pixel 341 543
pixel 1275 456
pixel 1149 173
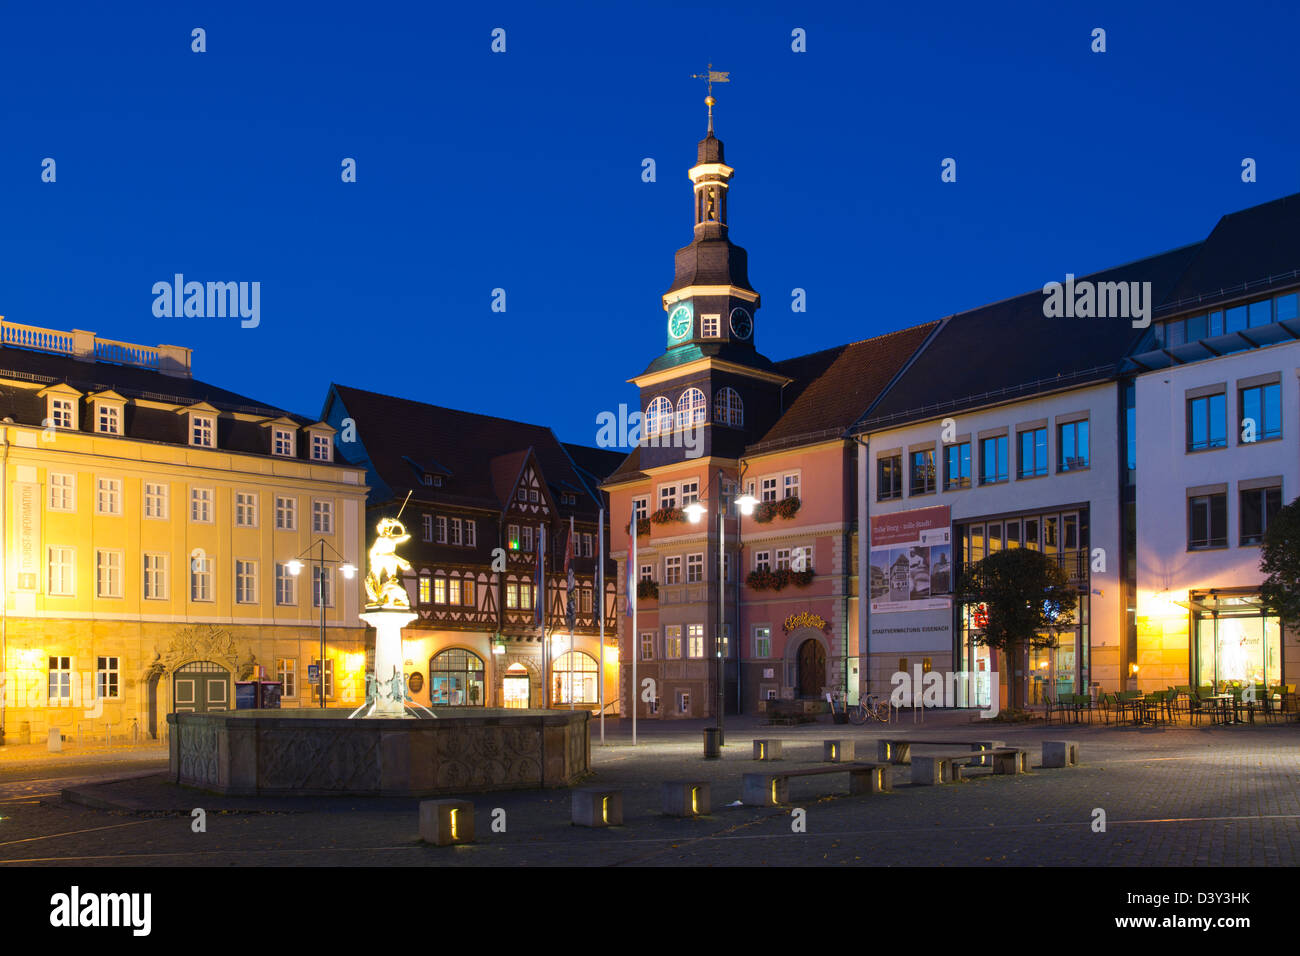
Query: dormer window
pixel 282 442
pixel 108 419
pixel 63 412
pixel 321 447
pixel 203 431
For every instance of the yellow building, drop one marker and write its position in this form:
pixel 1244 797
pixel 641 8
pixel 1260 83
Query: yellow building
pixel 162 541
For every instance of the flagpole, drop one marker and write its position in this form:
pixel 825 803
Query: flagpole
pixel 569 569
pixel 634 647
pixel 600 596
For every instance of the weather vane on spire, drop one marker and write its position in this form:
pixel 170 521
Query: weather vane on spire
pixel 711 77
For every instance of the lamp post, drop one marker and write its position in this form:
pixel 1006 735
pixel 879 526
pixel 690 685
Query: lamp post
pixel 348 569
pixel 696 512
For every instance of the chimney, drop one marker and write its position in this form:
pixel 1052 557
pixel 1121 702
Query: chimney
pixel 174 360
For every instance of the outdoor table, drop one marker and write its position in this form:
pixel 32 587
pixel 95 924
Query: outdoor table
pixel 1222 709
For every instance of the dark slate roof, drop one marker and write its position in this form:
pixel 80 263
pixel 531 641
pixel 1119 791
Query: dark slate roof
pixel 711 262
pixel 629 470
pixel 594 464
pixel 834 387
pixel 482 454
pixel 1250 250
pixel 725 351
pixel 1009 349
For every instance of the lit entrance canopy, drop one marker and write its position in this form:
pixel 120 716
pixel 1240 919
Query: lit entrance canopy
pixel 1216 602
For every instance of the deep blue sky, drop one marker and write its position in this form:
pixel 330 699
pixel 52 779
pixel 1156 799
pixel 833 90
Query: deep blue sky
pixel 523 171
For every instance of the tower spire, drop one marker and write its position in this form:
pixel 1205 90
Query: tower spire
pixel 711 77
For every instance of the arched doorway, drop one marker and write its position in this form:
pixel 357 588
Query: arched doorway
pixel 456 679
pixel 574 677
pixel 200 687
pixel 515 687
pixel 812 668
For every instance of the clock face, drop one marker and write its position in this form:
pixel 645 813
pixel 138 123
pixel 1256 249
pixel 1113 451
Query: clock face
pixel 680 322
pixel 741 324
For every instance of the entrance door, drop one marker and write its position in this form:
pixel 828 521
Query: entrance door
pixel 812 668
pixel 514 685
pixel 200 687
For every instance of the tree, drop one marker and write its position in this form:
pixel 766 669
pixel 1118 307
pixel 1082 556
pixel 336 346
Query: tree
pixel 1028 600
pixel 1279 561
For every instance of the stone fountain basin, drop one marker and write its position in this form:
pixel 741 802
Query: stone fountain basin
pixel 315 752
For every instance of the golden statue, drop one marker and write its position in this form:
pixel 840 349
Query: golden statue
pixel 384 577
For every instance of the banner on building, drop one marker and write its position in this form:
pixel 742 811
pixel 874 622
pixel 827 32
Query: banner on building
pixel 911 560
pixel 27 535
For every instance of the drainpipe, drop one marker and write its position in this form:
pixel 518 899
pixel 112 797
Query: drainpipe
pixel 4 574
pixel 864 565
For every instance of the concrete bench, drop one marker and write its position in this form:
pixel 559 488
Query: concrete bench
pixel 898 750
pixel 767 750
pixel 932 769
pixel 1060 753
pixel 686 798
pixel 597 807
pixel 773 789
pixel 446 822
pixel 839 751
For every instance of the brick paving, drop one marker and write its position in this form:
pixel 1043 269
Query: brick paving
pixel 1178 796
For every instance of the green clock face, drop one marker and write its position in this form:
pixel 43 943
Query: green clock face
pixel 741 324
pixel 680 322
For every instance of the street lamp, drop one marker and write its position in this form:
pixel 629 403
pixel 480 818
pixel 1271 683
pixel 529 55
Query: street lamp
pixel 696 512
pixel 348 570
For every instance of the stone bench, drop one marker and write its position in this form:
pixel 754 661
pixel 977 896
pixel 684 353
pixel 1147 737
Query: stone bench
pixel 686 798
pixel 446 822
pixel 839 751
pixel 767 750
pixel 597 807
pixel 898 750
pixel 1060 753
pixel 932 769
pixel 773 789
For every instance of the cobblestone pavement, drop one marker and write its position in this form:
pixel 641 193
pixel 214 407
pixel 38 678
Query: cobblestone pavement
pixel 1179 796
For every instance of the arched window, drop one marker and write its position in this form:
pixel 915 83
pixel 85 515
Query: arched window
pixel 692 407
pixel 659 417
pixel 727 407
pixel 574 679
pixel 456 679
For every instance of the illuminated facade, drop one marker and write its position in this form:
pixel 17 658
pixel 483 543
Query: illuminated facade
pixel 149 523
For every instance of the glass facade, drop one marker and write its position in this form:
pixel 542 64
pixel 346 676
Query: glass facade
pixel 1234 641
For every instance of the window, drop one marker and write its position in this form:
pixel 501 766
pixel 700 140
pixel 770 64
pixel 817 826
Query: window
pixel 1258 506
pixel 523 493
pixel 245 509
pixel 512 595
pixel 456 679
pixel 425 593
pixel 673 570
pixel 683 703
pixel 60 678
pixel 534 497
pixel 584 604
pixel 668 497
pixel 762 642
pixel 694 568
pixel 453 590
pixel 63 492
pixel 641 508
pixel 155 500
pixel 201 504
pixel 109 419
pixel 442 532
pixel 322 517
pixel 282 442
pixel 286 588
pixel 647 645
pixel 1206 422
pixel 322 592
pixel 1261 412
pixel 427 525
pixel 889 477
pixel 200 578
pixel 647 572
pixel 791 485
pixel 767 489
pixel 658 417
pixel 692 408
pixel 526 538
pixel 329 679
pixel 467 592
pixel 1072 446
pixel 526 595
pixel 923 477
pixel 993 460
pixel 62 572
pixel 690 492
pixel 245 582
pixel 321 447
pixel 956 466
pixel 709 326
pixel 727 408
pixel 108 574
pixel 108 496
pixel 471 533
pixel 202 429
pixel 456 537
pixel 762 561
pixel 286 513
pixel 1207 522
pixel 62 413
pixel 586 544
pixel 801 558
pixel 439 589
pixel 673 641
pixel 286 672
pixel 107 671
pixel 1033 453
pixel 695 640
pixel 783 559
pixel 155 577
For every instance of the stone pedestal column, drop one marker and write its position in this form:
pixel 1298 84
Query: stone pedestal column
pixel 388 624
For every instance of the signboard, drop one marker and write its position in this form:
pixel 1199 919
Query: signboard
pixel 313 673
pixel 27 535
pixel 911 561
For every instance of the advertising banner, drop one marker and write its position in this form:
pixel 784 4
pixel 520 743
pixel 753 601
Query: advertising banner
pixel 911 560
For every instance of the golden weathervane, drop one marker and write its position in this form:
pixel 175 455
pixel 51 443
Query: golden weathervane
pixel 711 77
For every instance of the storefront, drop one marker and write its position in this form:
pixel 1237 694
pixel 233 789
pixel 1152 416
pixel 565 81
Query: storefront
pixel 456 679
pixel 1234 640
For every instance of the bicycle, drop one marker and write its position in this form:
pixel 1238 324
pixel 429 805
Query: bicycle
pixel 871 708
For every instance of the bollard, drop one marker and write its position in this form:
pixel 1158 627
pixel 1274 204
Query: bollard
pixel 1060 753
pixel 446 822
pixel 686 798
pixel 712 743
pixel 839 751
pixel 55 741
pixel 595 807
pixel 767 750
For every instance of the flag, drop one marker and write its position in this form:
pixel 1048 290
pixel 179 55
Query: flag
pixel 631 564
pixel 570 611
pixel 539 598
